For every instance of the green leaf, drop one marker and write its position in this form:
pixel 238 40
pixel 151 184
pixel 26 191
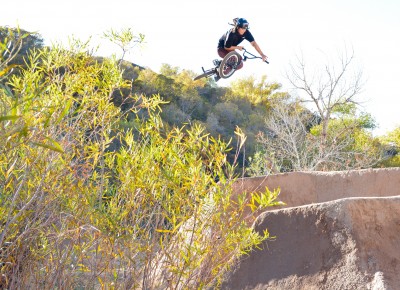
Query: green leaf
pixel 163 231
pixel 9 118
pixel 7 90
pixel 65 111
pixel 53 146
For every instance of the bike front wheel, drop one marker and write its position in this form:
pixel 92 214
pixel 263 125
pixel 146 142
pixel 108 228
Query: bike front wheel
pixel 229 64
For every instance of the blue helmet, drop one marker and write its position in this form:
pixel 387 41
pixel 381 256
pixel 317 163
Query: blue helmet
pixel 242 23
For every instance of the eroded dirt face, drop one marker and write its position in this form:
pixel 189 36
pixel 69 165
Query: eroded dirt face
pixel 339 230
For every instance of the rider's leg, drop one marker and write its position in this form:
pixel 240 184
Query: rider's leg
pixel 222 52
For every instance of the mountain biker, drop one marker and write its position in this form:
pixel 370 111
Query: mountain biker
pixel 233 37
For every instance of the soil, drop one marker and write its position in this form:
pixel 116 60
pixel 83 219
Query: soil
pixel 338 230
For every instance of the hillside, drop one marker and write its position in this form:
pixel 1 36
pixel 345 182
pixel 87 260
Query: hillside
pixel 339 230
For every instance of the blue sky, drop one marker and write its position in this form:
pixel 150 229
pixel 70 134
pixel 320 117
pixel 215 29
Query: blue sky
pixel 185 34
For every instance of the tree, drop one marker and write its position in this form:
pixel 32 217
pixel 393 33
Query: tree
pixel 391 145
pixel 256 92
pixel 295 141
pixel 335 137
pixel 332 88
pixel 287 145
pixel 126 39
pixel 149 83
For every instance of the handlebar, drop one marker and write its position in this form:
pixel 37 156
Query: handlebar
pixel 252 56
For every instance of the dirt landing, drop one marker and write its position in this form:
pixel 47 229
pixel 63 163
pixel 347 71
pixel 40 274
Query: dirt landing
pixel 344 243
pixel 301 188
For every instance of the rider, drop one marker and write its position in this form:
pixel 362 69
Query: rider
pixel 233 37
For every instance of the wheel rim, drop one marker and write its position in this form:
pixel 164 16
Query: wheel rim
pixel 229 65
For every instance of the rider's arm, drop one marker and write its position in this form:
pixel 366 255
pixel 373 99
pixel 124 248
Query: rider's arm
pixel 255 45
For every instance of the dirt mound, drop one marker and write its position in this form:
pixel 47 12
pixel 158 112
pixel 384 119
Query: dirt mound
pixel 339 230
pixel 301 188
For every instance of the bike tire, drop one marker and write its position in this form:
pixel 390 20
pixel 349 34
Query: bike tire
pixel 205 74
pixel 229 64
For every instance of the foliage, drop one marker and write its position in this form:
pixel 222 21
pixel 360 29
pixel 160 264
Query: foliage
pixel 245 104
pixel 392 137
pixel 331 89
pixel 257 93
pixel 391 144
pixel 15 44
pixel 296 143
pixel 335 137
pixel 76 214
pixel 125 38
pixel 262 164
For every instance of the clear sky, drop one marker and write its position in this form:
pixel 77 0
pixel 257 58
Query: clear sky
pixel 185 33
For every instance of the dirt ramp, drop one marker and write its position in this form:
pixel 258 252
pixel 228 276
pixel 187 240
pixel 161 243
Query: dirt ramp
pixel 301 188
pixel 351 243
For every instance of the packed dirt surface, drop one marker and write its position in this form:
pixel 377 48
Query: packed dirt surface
pixel 338 230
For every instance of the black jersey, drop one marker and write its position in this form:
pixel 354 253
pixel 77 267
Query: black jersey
pixel 233 38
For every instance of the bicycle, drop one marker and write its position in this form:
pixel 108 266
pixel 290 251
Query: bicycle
pixel 227 66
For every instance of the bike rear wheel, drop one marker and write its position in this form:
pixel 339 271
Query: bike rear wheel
pixel 201 76
pixel 205 74
pixel 229 64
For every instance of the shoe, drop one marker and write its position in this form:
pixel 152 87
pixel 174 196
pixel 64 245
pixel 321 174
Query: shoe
pixel 216 62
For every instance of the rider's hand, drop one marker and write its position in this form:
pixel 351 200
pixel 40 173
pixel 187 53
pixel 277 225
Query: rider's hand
pixel 264 57
pixel 240 47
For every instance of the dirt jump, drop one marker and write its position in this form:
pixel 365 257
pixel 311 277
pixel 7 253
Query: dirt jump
pixel 338 230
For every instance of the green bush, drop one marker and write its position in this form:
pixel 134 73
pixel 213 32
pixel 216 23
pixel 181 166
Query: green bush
pixel 158 212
